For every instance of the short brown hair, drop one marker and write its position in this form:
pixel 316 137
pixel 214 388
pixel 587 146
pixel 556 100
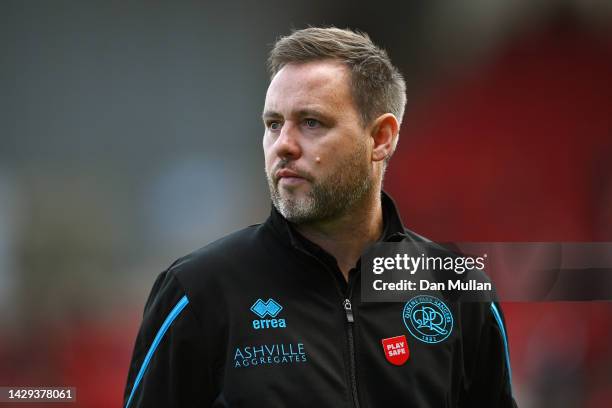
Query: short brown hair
pixel 376 85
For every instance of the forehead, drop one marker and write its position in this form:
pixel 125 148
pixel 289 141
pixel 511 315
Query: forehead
pixel 322 84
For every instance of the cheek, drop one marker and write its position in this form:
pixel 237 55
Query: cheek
pixel 267 150
pixel 267 163
pixel 333 150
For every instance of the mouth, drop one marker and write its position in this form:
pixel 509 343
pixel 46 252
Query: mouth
pixel 289 177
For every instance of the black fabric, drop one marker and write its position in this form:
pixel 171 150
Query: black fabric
pixel 200 361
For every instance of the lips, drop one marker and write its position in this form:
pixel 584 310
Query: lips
pixel 289 176
pixel 286 173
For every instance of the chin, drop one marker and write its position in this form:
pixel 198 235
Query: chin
pixel 293 190
pixel 292 197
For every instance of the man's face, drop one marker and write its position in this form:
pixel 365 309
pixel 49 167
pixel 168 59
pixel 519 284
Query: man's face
pixel 318 156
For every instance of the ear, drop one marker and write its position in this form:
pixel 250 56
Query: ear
pixel 384 133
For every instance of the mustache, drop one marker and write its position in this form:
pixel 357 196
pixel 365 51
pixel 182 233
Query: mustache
pixel 286 164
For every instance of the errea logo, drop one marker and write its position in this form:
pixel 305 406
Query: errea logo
pixel 269 308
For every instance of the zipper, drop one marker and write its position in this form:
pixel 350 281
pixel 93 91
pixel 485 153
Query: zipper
pixel 348 309
pixel 350 319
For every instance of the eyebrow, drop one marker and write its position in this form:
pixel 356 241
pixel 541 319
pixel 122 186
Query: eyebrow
pixel 300 113
pixel 270 115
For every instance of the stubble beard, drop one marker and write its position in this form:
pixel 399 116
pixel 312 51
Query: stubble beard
pixel 346 185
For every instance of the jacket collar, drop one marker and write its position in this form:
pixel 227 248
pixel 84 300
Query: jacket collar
pixel 393 229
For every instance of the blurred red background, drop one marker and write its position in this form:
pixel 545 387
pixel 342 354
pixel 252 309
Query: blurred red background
pixel 521 150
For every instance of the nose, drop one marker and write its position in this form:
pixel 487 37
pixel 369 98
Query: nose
pixel 288 144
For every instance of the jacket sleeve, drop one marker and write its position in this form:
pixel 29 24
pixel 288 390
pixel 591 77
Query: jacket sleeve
pixel 489 381
pixel 170 366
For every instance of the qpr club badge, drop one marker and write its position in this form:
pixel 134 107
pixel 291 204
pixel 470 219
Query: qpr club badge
pixel 396 350
pixel 428 319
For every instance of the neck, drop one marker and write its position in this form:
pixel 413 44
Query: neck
pixel 347 236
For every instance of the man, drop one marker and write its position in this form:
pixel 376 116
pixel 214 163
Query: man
pixel 269 316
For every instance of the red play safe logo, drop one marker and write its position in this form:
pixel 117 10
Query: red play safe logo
pixel 396 350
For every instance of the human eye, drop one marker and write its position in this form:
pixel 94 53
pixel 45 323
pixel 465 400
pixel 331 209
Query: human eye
pixel 273 125
pixel 312 123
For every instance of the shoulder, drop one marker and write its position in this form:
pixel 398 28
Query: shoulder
pixel 223 253
pixel 208 275
pixel 235 244
pixel 412 236
pixel 451 253
pixel 225 263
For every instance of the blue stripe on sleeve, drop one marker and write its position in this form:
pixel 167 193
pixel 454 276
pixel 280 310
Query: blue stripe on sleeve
pixel 158 337
pixel 500 323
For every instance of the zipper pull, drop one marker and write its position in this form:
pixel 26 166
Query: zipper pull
pixel 348 308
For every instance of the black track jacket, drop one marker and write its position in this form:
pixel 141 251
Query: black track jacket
pixel 264 318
